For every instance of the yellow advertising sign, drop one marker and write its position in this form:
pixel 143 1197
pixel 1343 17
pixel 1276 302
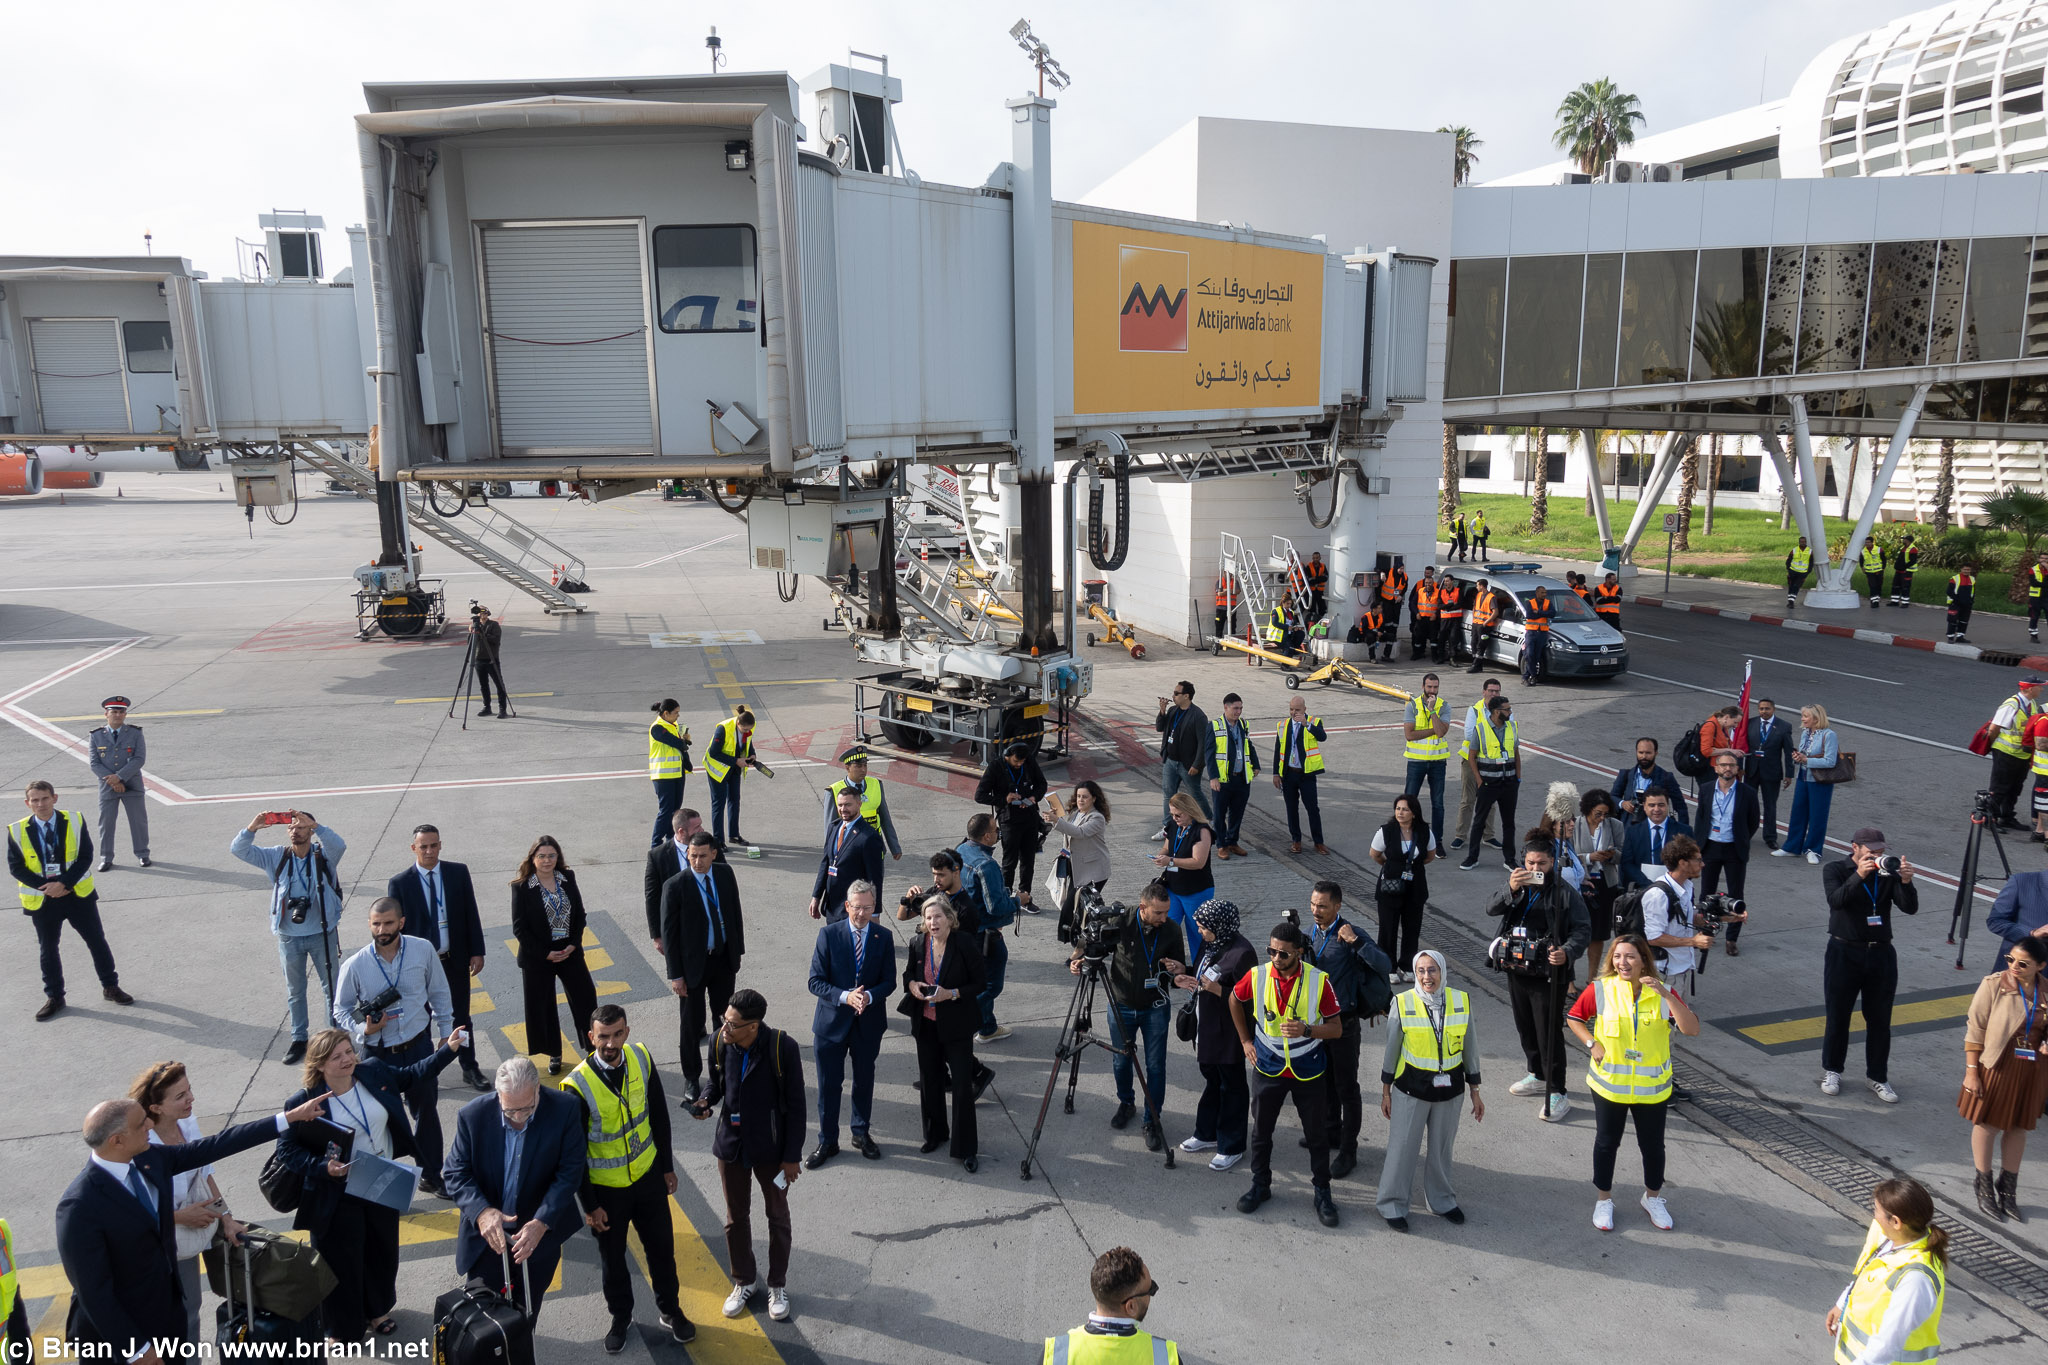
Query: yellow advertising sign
pixel 1171 323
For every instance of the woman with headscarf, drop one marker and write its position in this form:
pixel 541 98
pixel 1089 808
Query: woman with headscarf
pixel 1431 1061
pixel 1223 1115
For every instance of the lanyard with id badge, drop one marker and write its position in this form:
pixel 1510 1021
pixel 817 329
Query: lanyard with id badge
pixel 2021 1051
pixel 1873 919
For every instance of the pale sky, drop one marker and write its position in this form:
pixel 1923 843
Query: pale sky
pixel 189 119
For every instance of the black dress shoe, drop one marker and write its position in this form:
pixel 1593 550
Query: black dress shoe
pixel 1123 1115
pixel 972 1164
pixel 50 1008
pixel 680 1329
pixel 475 1079
pixel 107 864
pixel 821 1154
pixel 1454 1215
pixel 145 862
pixel 1154 1140
pixel 1344 1163
pixel 483 713
pixel 865 1145
pixel 296 1053
pixel 1249 1201
pixel 1397 1225
pixel 117 995
pixel 931 1144
pixel 554 1066
pixel 432 1186
pixel 615 1336
pixel 1326 1207
pixel 690 1092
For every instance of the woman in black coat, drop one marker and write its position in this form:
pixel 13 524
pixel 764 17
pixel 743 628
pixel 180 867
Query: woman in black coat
pixel 356 1237
pixel 1402 848
pixel 943 975
pixel 1222 1115
pixel 547 919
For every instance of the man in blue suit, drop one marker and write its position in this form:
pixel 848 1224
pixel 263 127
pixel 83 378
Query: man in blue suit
pixel 1768 765
pixel 1643 845
pixel 114 1230
pixel 853 969
pixel 440 907
pixel 514 1168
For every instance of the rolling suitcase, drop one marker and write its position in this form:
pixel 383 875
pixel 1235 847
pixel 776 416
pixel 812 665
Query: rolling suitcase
pixel 241 1329
pixel 474 1325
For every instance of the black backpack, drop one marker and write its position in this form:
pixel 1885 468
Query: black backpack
pixel 1628 909
pixel 1687 757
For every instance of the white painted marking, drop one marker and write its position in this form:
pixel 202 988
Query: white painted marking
pixel 702 639
pixel 1669 640
pixel 1832 720
pixel 678 554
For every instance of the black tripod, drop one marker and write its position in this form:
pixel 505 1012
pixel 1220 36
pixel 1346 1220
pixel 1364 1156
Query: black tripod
pixel 469 674
pixel 1076 1037
pixel 1982 818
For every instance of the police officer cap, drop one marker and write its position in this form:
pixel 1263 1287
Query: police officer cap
pixel 856 754
pixel 114 703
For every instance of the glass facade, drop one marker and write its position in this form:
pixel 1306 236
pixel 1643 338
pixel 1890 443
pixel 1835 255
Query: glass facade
pixel 1656 316
pixel 1479 290
pixel 1598 337
pixel 1727 338
pixel 1543 313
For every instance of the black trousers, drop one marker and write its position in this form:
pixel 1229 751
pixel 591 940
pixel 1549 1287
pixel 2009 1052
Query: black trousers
pixel 1873 585
pixel 1020 855
pixel 1223 1114
pixel 1609 1119
pixel 487 672
pixel 945 1070
pixel 1400 924
pixel 1902 584
pixel 1766 790
pixel 2034 605
pixel 456 972
pixel 1482 636
pixel 1300 790
pixel 1491 795
pixel 1721 858
pixel 1794 582
pixel 2008 780
pixel 423 1099
pixel 702 1010
pixel 83 915
pixel 1958 620
pixel 360 1245
pixel 1226 621
pixel 1869 971
pixel 1311 1105
pixel 1539 1005
pixel 1343 1102
pixel 1422 634
pixel 543 1022
pixel 643 1207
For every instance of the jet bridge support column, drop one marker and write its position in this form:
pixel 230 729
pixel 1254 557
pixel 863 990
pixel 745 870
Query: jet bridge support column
pixel 1031 258
pixel 1354 541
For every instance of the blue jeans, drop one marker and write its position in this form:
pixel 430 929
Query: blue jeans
pixel 1182 910
pixel 1172 774
pixel 1535 654
pixel 725 796
pixel 1151 1023
pixel 295 952
pixel 1807 829
pixel 1433 770
pixel 668 799
pixel 1230 803
pixel 995 956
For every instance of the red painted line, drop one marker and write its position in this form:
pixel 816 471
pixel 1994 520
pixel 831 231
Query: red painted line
pixel 1647 601
pixel 1768 620
pixel 1704 611
pixel 1846 632
pixel 1908 642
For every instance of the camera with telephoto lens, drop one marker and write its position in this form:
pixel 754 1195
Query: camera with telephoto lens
pixel 297 906
pixel 1513 953
pixel 1102 922
pixel 1888 864
pixel 363 1011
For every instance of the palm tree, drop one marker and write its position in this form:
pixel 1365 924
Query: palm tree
pixel 2021 512
pixel 1539 469
pixel 1945 487
pixel 1453 471
pixel 1688 489
pixel 1464 152
pixel 1713 479
pixel 1595 122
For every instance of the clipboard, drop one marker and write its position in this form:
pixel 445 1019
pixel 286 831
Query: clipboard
pixel 389 1183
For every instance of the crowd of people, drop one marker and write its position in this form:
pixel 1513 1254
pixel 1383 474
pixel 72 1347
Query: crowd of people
pixel 1622 879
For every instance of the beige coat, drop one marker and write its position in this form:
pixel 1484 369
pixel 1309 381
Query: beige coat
pixel 1995 1016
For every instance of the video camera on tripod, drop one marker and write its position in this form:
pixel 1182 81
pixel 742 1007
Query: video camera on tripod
pixel 1708 915
pixel 1095 924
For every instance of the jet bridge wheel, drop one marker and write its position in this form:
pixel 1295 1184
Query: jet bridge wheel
pixel 405 615
pixel 906 737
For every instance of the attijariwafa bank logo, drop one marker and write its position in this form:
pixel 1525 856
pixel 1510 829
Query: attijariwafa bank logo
pixel 1154 288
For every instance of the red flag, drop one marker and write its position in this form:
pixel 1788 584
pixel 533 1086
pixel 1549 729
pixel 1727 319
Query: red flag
pixel 1742 735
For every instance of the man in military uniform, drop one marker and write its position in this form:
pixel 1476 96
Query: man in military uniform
pixel 117 755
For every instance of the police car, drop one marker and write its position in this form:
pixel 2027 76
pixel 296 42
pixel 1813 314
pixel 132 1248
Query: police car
pixel 1581 644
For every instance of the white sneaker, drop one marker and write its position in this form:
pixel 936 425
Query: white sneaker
pixel 1783 853
pixel 1652 1205
pixel 1830 1082
pixel 1531 1084
pixel 1221 1162
pixel 778 1301
pixel 1813 858
pixel 1000 1031
pixel 1195 1144
pixel 1603 1214
pixel 1884 1092
pixel 1556 1108
pixel 737 1301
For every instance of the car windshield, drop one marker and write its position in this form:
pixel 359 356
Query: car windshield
pixel 1565 605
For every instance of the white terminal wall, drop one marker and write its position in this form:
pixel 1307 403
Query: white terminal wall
pixel 1357 188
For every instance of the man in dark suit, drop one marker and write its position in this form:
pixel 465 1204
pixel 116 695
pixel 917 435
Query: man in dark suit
pixel 853 969
pixel 666 859
pixel 49 855
pixel 514 1168
pixel 1727 821
pixel 114 1229
pixel 1768 768
pixel 1643 845
pixel 853 853
pixel 703 937
pixel 1632 782
pixel 440 907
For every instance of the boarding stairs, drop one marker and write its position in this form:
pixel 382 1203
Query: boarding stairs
pixel 491 539
pixel 1286 566
pixel 950 584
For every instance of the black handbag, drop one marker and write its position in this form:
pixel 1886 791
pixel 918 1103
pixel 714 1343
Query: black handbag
pixel 1184 1021
pixel 281 1185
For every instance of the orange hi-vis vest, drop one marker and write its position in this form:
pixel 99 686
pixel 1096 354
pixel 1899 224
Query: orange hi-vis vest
pixel 1486 610
pixel 1394 584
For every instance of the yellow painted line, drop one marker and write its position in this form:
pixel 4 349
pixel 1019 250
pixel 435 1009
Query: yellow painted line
pixel 101 716
pixel 41 1281
pixel 781 682
pixel 720 1340
pixel 1815 1026
pixel 480 1002
pixel 50 1343
pixel 438 1226
pixel 418 701
pixel 597 959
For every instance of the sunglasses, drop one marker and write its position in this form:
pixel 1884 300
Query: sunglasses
pixel 1149 1291
pixel 1283 953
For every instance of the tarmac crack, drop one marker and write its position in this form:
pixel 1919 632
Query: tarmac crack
pixel 934 1229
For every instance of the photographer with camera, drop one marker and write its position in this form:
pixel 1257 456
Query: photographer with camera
pixel 1011 789
pixel 1224 1111
pixel 1624 1019
pixel 947 882
pixel 1544 928
pixel 1123 1290
pixel 390 996
pixel 485 637
pixel 1666 909
pixel 305 907
pixel 1284 1012
pixel 1863 890
pixel 1148 953
pixel 1360 973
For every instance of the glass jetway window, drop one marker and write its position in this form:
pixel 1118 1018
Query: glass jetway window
pixel 148 345
pixel 705 279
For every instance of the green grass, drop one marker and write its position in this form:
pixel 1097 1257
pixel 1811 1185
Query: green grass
pixel 1752 535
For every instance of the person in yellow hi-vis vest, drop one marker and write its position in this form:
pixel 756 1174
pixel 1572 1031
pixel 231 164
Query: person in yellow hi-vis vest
pixel 1123 1289
pixel 1429 1066
pixel 628 1173
pixel 1891 1311
pixel 49 855
pixel 1798 564
pixel 14 1332
pixel 1284 1011
pixel 668 764
pixel 1624 1020
pixel 726 760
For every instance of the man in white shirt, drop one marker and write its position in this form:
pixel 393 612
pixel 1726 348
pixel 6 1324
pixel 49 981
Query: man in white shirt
pixel 402 1032
pixel 1668 924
